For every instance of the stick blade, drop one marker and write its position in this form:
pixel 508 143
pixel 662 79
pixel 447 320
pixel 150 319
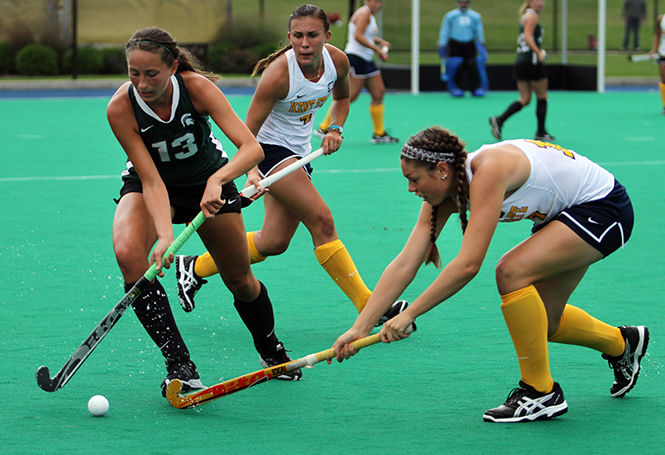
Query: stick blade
pixel 173 395
pixel 44 380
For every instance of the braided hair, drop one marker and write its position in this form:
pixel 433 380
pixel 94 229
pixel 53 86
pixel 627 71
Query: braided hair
pixel 302 11
pixel 429 147
pixel 158 41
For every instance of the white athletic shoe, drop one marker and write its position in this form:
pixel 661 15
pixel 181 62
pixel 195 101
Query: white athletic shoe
pixel 188 282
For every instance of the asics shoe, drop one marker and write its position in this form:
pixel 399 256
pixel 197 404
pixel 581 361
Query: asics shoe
pixel 545 137
pixel 525 403
pixel 277 357
pixel 188 281
pixel 396 308
pixel 627 366
pixel 187 374
pixel 320 132
pixel 385 138
pixel 495 127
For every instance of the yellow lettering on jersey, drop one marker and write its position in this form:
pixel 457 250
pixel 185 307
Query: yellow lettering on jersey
pixel 300 107
pixel 321 101
pixel 516 213
pixel 303 106
pixel 535 215
pixel 543 144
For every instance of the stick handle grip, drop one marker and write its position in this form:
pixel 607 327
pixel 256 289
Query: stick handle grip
pixel 177 243
pixel 272 178
pixel 313 359
pixel 358 345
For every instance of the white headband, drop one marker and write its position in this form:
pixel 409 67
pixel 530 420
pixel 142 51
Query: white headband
pixel 414 153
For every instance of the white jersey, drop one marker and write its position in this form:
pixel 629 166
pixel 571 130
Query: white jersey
pixel 290 122
pixel 559 178
pixel 354 47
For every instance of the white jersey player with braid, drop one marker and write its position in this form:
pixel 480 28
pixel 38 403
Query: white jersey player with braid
pixel 559 178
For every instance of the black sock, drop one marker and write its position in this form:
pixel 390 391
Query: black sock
pixel 515 107
pixel 541 113
pixel 260 320
pixel 154 312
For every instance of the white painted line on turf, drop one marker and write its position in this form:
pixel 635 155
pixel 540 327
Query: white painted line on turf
pixel 358 171
pixel 318 171
pixel 51 179
pixel 632 163
pixel 106 177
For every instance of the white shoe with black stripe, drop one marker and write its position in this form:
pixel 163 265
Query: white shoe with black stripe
pixel 525 404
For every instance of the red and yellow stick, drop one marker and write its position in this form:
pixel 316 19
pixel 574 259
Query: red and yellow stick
pixel 243 382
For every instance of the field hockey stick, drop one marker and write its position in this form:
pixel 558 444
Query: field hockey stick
pixel 641 57
pixel 51 384
pixel 250 191
pixel 257 377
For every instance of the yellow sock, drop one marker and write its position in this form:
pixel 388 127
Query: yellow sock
pixel 526 319
pixel 662 92
pixel 376 111
pixel 579 328
pixel 254 255
pixel 204 266
pixel 326 121
pixel 335 259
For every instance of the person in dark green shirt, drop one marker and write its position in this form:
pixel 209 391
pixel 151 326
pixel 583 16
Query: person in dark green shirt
pixel 529 72
pixel 175 169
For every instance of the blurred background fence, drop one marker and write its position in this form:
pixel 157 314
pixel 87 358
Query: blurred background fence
pixel 230 35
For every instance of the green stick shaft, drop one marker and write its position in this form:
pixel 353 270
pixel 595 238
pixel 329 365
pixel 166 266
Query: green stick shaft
pixel 177 243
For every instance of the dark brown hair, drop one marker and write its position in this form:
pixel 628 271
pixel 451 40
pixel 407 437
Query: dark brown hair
pixel 302 11
pixel 158 41
pixel 438 140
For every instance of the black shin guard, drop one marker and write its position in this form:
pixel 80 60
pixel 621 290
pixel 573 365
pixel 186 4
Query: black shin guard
pixel 515 107
pixel 154 312
pixel 260 320
pixel 541 113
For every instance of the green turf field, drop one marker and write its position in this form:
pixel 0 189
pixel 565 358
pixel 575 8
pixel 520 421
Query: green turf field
pixel 424 395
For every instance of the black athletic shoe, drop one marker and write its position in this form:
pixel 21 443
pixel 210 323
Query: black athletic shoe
pixel 627 366
pixel 187 374
pixel 277 357
pixel 385 138
pixel 396 308
pixel 545 137
pixel 525 404
pixel 188 281
pixel 495 127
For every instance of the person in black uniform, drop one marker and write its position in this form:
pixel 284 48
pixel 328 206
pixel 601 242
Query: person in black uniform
pixel 175 169
pixel 529 71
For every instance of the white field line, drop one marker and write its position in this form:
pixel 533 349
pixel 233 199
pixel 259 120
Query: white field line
pixel 318 171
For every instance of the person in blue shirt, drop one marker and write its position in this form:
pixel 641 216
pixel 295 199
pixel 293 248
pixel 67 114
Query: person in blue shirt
pixel 461 47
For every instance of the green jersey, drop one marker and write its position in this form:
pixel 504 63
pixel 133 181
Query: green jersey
pixel 525 56
pixel 183 148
